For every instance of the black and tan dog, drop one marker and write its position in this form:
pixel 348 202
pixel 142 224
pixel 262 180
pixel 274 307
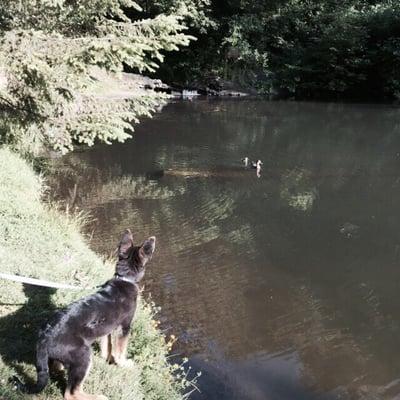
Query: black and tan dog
pixel 68 337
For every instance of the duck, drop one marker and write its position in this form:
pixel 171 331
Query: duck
pixel 256 165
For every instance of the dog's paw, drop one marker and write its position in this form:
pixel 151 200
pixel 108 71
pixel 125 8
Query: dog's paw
pixel 121 362
pixel 126 363
pixel 111 359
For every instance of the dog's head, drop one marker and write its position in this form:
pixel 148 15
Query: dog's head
pixel 132 259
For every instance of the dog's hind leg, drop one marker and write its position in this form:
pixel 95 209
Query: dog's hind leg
pixel 56 366
pixel 76 375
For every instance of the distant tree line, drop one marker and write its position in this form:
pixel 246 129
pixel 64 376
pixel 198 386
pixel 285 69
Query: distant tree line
pixel 347 49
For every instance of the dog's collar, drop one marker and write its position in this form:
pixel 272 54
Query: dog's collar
pixel 126 279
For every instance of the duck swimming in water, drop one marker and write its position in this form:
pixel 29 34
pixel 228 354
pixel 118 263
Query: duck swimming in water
pixel 257 164
pixel 257 167
pixel 253 164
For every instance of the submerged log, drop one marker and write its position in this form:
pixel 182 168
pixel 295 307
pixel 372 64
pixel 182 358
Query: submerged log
pixel 187 173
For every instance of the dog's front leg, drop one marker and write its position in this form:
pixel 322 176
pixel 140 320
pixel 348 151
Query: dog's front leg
pixel 106 347
pixel 121 346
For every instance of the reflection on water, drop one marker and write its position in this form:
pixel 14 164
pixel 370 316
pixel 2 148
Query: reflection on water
pixel 283 287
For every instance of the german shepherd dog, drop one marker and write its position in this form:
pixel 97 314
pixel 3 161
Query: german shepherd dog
pixel 66 339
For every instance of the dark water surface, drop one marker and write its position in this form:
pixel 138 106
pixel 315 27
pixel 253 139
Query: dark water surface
pixel 282 287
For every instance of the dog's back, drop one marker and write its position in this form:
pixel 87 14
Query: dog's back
pixel 91 317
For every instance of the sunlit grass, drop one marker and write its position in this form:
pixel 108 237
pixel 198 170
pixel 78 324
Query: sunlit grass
pixel 37 240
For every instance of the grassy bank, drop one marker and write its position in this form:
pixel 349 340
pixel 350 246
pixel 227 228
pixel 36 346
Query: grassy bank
pixel 37 240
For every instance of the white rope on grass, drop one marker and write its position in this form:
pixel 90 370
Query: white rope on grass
pixel 38 282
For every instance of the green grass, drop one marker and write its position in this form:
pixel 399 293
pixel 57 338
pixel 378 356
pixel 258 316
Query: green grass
pixel 38 240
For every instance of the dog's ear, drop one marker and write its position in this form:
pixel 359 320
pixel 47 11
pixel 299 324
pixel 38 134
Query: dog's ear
pixel 126 242
pixel 147 249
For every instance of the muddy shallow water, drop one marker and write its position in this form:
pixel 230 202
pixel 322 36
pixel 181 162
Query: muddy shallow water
pixel 279 287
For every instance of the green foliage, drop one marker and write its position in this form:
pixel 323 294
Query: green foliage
pixel 303 49
pixel 195 12
pixel 145 349
pixel 325 49
pixel 243 63
pixel 48 51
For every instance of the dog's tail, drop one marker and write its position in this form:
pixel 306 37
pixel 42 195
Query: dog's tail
pixel 42 368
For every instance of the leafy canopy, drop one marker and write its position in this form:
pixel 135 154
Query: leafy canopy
pixel 51 52
pixel 297 48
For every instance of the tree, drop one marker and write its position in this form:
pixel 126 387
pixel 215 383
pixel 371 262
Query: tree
pixel 296 48
pixel 48 51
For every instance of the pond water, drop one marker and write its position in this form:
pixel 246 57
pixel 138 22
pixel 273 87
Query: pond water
pixel 281 287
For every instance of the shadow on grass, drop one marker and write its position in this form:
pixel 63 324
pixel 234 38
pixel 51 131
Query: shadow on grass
pixel 19 331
